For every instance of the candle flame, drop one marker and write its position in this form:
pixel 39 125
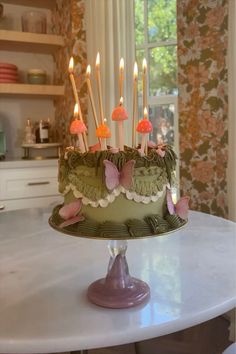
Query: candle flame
pixel 88 71
pixel 71 65
pixel 144 65
pixel 121 100
pixel 135 70
pixel 122 64
pixel 145 112
pixel 76 110
pixel 105 120
pixel 98 60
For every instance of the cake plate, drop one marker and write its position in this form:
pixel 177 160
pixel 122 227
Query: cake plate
pixel 118 289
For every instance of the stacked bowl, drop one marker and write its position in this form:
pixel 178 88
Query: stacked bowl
pixel 8 73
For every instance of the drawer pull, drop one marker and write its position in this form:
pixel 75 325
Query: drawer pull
pixel 37 183
pixel 2 207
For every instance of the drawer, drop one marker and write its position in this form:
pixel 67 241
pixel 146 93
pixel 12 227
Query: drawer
pixel 28 183
pixel 41 202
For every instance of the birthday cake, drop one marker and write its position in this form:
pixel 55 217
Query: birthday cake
pixel 122 192
pixel 118 194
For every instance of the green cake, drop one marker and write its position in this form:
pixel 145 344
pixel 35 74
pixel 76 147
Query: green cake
pixel 110 194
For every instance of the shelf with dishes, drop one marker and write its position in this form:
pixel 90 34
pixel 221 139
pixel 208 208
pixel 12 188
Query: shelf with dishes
pixel 30 42
pixel 31 90
pixel 47 4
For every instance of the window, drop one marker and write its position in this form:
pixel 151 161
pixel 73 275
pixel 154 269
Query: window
pixel 156 40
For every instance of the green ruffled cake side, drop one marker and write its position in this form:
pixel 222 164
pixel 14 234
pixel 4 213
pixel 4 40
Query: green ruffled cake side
pixel 86 172
pixel 132 228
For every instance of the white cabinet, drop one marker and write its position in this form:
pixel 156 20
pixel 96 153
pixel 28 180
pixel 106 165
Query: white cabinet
pixel 27 184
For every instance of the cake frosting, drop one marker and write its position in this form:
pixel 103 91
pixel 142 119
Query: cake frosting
pixel 116 194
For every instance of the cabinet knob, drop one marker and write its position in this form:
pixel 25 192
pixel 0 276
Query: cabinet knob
pixel 2 207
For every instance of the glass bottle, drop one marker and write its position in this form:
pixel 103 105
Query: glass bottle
pixel 42 132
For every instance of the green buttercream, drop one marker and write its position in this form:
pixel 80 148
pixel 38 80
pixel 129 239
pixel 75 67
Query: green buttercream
pixel 123 209
pixel 157 223
pixel 138 228
pixel 77 167
pixel 89 183
pixel 152 225
pixel 174 221
pixel 113 229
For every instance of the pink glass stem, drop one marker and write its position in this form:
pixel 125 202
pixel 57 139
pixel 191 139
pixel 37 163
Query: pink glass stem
pixel 118 289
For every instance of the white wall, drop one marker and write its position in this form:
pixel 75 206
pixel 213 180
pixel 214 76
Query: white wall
pixel 14 111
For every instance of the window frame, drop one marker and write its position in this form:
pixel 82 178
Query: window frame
pixel 164 99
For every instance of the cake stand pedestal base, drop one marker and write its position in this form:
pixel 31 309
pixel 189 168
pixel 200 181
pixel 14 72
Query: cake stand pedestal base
pixel 118 289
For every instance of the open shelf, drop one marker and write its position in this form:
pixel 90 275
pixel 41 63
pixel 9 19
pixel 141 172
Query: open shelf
pixel 47 4
pixel 30 42
pixel 32 90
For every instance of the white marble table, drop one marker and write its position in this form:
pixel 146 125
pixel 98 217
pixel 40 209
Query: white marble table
pixel 44 276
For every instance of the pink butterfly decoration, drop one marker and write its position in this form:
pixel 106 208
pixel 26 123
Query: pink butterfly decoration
pixel 180 208
pixel 69 213
pixel 160 152
pixel 114 178
pixel 160 148
pixel 151 144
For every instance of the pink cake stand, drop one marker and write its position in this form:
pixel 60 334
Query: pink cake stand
pixel 118 289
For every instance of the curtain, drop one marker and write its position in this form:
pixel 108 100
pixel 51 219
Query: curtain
pixel 110 30
pixel 232 112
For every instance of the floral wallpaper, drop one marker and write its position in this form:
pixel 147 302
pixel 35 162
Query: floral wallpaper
pixel 203 103
pixel 68 20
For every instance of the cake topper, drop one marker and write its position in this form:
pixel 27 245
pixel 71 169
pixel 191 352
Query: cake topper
pixel 114 178
pixel 180 208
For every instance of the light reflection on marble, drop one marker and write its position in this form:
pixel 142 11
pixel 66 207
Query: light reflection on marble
pixel 44 276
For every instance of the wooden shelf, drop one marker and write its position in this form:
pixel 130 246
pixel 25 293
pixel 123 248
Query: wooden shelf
pixel 30 42
pixel 32 90
pixel 47 4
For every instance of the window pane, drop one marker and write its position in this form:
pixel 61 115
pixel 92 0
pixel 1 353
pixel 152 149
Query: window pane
pixel 139 22
pixel 163 71
pixel 139 59
pixel 161 20
pixel 162 118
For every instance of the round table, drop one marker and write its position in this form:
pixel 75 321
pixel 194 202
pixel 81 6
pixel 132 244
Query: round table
pixel 44 277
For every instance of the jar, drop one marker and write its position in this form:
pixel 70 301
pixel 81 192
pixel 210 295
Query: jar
pixel 34 21
pixel 42 132
pixel 36 77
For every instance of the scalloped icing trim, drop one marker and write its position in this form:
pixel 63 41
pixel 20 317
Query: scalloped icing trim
pixel 115 193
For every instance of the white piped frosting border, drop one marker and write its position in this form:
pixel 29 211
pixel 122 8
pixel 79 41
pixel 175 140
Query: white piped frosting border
pixel 115 193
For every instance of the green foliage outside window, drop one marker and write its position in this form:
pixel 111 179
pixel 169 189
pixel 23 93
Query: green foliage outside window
pixel 161 28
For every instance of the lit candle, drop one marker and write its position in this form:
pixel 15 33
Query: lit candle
pixel 72 80
pixel 90 92
pixel 121 78
pixel 144 127
pixel 144 83
pixel 98 76
pixel 134 105
pixel 119 114
pixel 78 128
pixel 103 132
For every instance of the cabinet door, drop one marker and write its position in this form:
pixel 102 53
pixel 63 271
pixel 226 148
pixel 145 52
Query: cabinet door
pixel 28 183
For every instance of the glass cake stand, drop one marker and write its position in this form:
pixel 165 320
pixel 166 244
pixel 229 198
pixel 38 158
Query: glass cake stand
pixel 118 289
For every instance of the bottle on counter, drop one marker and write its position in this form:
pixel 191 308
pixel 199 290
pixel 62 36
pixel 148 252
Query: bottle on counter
pixel 42 132
pixel 29 137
